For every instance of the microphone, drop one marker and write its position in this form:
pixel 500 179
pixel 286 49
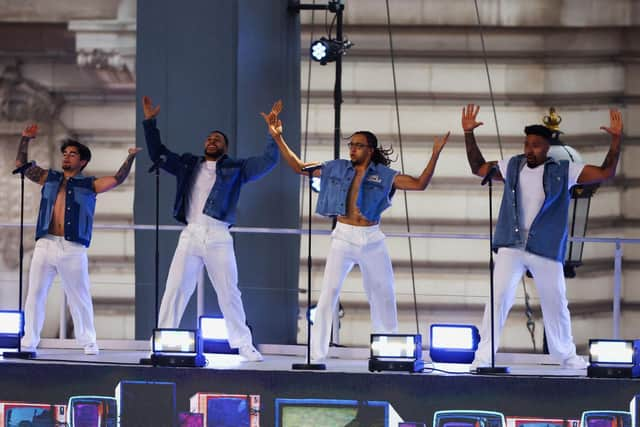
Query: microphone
pixel 311 168
pixel 492 171
pixel 23 168
pixel 156 164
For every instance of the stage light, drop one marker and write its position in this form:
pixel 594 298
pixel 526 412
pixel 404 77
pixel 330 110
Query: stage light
pixel 215 338
pixel 453 343
pixel 396 352
pixel 614 358
pixel 177 347
pixel 11 328
pixel 327 50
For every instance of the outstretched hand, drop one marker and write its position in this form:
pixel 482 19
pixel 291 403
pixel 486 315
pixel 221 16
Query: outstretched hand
pixel 439 143
pixel 469 115
pixel 134 150
pixel 148 109
pixel 30 131
pixel 274 124
pixel 615 129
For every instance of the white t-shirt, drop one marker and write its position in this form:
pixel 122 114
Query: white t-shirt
pixel 531 190
pixel 203 181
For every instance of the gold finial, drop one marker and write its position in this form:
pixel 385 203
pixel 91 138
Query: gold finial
pixel 552 121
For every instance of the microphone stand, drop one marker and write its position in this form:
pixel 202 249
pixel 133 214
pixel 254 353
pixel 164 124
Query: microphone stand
pixel 155 167
pixel 21 354
pixel 309 366
pixel 493 369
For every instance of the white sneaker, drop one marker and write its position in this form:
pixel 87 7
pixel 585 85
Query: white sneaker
pixel 574 362
pixel 479 363
pixel 250 354
pixel 91 349
pixel 28 349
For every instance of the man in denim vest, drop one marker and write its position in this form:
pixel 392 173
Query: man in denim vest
pixel 208 188
pixel 63 233
pixel 531 232
pixel 356 192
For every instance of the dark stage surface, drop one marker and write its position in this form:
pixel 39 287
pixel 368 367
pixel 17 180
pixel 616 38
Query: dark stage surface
pixel 534 389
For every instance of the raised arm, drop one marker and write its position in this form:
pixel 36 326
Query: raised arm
pixel 274 126
pixel 407 182
pixel 35 173
pixel 479 166
pixel 593 174
pixel 107 183
pixel 155 146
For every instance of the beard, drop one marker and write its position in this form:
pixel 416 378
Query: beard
pixel 213 152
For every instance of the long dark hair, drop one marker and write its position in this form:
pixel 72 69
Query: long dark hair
pixel 380 154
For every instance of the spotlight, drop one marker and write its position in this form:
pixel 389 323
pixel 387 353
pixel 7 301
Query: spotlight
pixel 453 343
pixel 11 331
pixel 614 358
pixel 177 347
pixel 396 352
pixel 215 338
pixel 327 50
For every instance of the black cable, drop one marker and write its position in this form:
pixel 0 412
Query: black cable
pixel 306 114
pixel 406 203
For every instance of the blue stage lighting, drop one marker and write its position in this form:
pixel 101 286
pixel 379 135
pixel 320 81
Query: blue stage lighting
pixel 177 347
pixel 11 328
pixel 215 338
pixel 396 352
pixel 453 343
pixel 614 358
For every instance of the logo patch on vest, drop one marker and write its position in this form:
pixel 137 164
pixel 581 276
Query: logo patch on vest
pixel 375 178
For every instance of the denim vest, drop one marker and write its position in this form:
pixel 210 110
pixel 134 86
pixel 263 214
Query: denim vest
pixel 548 233
pixel 80 206
pixel 231 175
pixel 374 195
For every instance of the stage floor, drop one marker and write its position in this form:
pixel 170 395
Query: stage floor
pixel 281 357
pixel 535 388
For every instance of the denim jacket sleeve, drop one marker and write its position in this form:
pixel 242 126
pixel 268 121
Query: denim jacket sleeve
pixel 258 166
pixel 157 149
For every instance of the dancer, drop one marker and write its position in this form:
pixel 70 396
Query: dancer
pixel 531 232
pixel 63 233
pixel 208 188
pixel 356 192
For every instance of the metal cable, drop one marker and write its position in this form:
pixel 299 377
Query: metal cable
pixel 406 204
pixel 528 310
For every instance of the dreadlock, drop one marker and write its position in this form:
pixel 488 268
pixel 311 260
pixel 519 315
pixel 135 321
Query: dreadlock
pixel 380 154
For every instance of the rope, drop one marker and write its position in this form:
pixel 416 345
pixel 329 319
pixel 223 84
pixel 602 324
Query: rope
pixel 406 203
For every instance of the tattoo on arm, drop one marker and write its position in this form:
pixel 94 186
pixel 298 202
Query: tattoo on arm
pixel 124 170
pixel 474 156
pixel 35 173
pixel 23 149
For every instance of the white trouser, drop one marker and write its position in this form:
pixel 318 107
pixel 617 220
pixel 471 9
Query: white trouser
pixel 548 275
pixel 54 254
pixel 212 247
pixel 364 246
